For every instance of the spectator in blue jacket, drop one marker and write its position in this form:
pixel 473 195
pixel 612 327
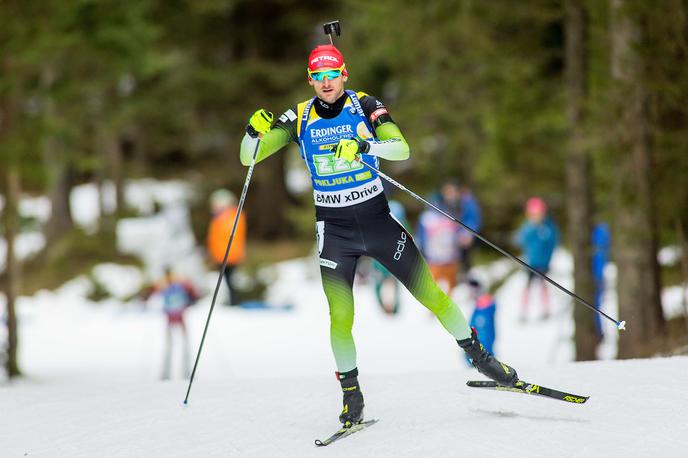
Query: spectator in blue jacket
pixel 538 237
pixel 471 216
pixel 601 245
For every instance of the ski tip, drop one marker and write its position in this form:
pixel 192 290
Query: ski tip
pixel 575 399
pixel 346 431
pixel 621 325
pixel 186 402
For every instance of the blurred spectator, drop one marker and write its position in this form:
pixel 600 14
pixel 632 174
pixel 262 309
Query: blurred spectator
pixel 483 317
pixel 438 237
pixel 177 295
pixel 223 205
pixel 384 280
pixel 538 237
pixel 601 245
pixel 470 215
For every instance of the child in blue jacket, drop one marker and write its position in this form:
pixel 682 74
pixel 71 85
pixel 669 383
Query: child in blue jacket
pixel 483 317
pixel 538 237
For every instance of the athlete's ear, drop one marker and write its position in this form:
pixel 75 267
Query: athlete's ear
pixel 345 78
pixel 310 81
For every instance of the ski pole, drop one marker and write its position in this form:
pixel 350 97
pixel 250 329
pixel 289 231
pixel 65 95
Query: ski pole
pixel 621 325
pixel 224 265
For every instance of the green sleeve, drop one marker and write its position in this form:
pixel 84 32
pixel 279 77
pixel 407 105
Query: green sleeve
pixel 391 144
pixel 271 142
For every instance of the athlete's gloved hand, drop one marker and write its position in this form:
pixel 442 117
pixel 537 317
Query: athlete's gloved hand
pixel 349 149
pixel 260 123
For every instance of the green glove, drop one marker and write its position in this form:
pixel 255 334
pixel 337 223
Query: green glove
pixel 260 123
pixel 348 149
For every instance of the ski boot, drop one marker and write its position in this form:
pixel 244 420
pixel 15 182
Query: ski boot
pixel 487 364
pixel 352 412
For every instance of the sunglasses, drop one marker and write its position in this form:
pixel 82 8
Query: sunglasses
pixel 329 74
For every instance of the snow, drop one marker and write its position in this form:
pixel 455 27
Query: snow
pixel 121 282
pixel 139 194
pixel 674 300
pixel 37 207
pixel 636 409
pixel 163 239
pixel 85 204
pixel 26 244
pixel 143 194
pixel 265 387
pixel 669 255
pixel 265 384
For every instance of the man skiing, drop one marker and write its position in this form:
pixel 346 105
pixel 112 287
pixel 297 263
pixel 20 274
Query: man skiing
pixel 337 130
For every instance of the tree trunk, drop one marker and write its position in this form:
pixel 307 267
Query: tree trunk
pixel 113 151
pixel 108 146
pixel 635 235
pixel 57 168
pixel 8 110
pixel 60 178
pixel 139 161
pixel 578 175
pixel 12 195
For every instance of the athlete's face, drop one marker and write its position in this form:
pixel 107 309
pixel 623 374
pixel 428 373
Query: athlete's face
pixel 329 90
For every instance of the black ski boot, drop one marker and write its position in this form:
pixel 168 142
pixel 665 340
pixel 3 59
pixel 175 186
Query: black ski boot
pixel 487 364
pixel 352 412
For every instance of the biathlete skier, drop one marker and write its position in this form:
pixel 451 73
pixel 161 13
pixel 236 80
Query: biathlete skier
pixel 337 130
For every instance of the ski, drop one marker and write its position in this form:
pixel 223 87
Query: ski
pixel 344 432
pixel 530 388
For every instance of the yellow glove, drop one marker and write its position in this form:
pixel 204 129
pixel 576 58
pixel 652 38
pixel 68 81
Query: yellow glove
pixel 349 149
pixel 260 123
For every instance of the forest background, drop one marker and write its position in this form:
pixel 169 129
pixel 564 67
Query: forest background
pixel 583 103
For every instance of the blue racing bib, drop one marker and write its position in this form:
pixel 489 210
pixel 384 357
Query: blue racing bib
pixel 337 183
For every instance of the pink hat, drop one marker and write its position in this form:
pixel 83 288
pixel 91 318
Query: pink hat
pixel 535 205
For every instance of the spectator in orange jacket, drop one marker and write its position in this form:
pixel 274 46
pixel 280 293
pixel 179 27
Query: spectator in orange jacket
pixel 223 205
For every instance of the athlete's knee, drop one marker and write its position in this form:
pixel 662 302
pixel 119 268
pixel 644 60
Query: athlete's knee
pixel 342 317
pixel 437 301
pixel 430 293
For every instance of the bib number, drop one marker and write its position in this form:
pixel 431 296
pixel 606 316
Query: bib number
pixel 326 164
